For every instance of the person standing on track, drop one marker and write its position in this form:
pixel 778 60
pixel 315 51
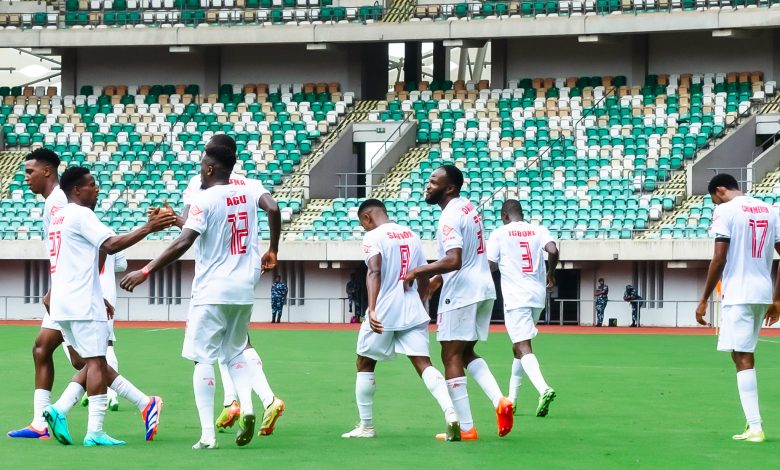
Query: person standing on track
pixel 745 231
pixel 601 295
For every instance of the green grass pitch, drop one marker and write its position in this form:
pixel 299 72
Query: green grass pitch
pixel 623 402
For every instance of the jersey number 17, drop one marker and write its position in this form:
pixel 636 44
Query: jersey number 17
pixel 757 244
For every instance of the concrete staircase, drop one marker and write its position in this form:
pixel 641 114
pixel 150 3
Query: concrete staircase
pixel 10 161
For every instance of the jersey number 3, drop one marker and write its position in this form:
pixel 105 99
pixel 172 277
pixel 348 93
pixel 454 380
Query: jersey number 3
pixel 758 242
pixel 239 231
pixel 526 257
pixel 405 258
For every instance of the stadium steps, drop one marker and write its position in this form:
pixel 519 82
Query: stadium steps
pixel 772 106
pixel 768 184
pixel 293 185
pixel 391 184
pixel 9 165
pixel 683 209
pixel 400 12
pixel 306 218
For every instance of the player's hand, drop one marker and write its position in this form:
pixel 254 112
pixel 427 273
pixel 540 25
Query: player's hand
pixel 109 309
pixel 47 301
pixel 374 323
pixel 409 279
pixel 160 218
pixel 268 261
pixel 550 280
pixel 701 312
pixel 434 284
pixel 132 280
pixel 773 314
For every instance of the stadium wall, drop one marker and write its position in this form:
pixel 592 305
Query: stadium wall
pixel 321 285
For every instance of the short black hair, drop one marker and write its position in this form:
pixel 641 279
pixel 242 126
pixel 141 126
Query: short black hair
pixel 72 177
pixel 512 207
pixel 722 180
pixel 369 203
pixel 45 156
pixel 601 279
pixel 222 140
pixel 225 157
pixel 454 175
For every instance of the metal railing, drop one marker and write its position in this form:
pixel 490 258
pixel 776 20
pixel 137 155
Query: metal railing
pixel 347 188
pixel 335 310
pixel 296 309
pixel 674 312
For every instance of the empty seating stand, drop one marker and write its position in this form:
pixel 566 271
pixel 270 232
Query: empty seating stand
pixel 166 13
pixel 144 143
pixel 584 155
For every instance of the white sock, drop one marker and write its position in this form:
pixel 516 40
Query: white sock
pixel 67 353
pixel 748 395
pixel 259 381
pixel 113 362
pixel 203 384
pixel 111 359
pixel 129 392
pixel 438 388
pixel 97 411
pixel 531 368
pixel 480 372
pixel 365 386
pixel 460 399
pixel 242 376
pixel 228 388
pixel 70 396
pixel 515 380
pixel 41 399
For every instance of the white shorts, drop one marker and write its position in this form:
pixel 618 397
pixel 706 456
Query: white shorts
pixel 111 335
pixel 88 337
pixel 411 342
pixel 469 323
pixel 521 323
pixel 739 327
pixel 49 323
pixel 216 332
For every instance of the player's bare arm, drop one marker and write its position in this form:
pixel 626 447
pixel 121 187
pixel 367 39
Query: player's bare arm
pixel 493 266
pixel 552 260
pixel 773 313
pixel 434 284
pixel 373 284
pixel 714 273
pixel 451 261
pixel 268 204
pixel 158 220
pixel 174 251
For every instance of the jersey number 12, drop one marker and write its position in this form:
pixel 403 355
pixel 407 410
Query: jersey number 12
pixel 239 230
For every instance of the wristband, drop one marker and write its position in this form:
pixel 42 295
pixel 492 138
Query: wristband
pixel 145 271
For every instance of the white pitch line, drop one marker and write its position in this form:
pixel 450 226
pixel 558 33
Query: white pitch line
pixel 768 341
pixel 161 329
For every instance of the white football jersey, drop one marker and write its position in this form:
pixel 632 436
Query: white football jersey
pixel 225 216
pixel 56 201
pixel 74 240
pixel 518 248
pixel 461 227
pixel 400 250
pixel 752 229
pixel 116 263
